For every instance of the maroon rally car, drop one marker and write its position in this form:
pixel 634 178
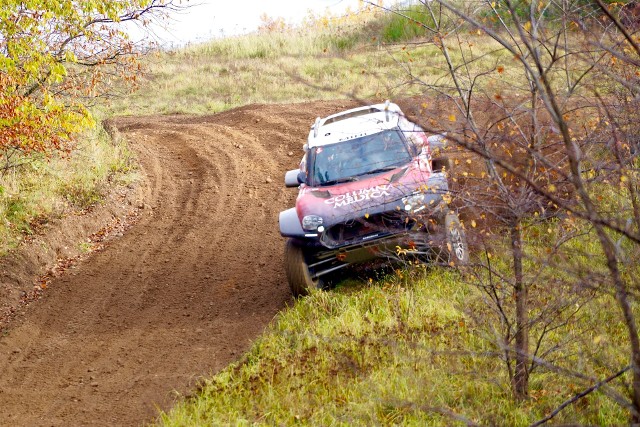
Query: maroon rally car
pixel 369 188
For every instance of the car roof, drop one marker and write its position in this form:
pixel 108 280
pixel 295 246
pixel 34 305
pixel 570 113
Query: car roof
pixel 354 123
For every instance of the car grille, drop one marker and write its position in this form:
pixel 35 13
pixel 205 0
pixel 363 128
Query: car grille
pixel 362 229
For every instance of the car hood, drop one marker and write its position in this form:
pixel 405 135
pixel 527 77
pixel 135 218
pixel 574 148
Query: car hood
pixel 370 193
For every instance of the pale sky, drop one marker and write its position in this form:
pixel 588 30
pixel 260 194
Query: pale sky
pixel 207 19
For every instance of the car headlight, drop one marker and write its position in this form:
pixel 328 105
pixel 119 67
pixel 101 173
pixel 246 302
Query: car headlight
pixel 416 200
pixel 311 222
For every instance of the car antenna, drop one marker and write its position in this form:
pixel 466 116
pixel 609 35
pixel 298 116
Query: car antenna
pixel 386 109
pixel 316 127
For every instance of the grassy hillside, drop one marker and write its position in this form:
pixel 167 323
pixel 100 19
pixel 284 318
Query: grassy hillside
pixel 403 351
pixel 292 66
pixel 266 68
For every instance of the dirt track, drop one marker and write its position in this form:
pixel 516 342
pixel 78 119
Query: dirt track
pixel 182 293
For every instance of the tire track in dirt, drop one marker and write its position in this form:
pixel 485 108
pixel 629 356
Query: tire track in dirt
pixel 182 293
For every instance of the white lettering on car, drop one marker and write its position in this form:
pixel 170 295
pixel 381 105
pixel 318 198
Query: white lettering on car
pixel 358 196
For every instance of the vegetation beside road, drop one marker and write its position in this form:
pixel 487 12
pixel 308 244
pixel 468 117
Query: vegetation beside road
pixel 406 350
pixel 59 184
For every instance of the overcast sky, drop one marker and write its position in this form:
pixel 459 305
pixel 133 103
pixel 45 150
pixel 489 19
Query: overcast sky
pixel 207 19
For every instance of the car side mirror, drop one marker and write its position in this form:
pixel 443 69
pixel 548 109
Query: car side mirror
pixel 437 141
pixel 293 178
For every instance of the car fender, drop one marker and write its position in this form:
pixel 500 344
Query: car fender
pixel 290 224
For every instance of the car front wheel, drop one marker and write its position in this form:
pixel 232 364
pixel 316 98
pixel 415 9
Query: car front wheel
pixel 299 276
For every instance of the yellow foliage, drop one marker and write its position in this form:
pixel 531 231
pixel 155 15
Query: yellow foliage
pixel 41 80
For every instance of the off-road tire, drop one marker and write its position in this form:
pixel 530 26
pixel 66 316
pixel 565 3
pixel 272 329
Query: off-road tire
pixel 456 246
pixel 297 269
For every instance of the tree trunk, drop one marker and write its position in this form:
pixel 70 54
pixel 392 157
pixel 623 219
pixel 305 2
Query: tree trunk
pixel 622 296
pixel 521 375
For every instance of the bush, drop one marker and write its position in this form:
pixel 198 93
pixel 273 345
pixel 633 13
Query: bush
pixel 406 24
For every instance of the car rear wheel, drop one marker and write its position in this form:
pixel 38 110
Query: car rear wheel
pixel 456 242
pixel 296 264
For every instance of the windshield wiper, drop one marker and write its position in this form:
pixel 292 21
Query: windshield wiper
pixel 339 180
pixel 384 169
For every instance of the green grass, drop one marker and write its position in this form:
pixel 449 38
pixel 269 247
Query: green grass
pixel 401 352
pixel 406 24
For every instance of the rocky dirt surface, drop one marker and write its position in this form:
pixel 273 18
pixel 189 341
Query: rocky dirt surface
pixel 180 294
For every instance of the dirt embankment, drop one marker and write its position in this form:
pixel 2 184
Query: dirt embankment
pixel 179 295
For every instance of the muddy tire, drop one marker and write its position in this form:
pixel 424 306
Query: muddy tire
pixel 456 247
pixel 297 269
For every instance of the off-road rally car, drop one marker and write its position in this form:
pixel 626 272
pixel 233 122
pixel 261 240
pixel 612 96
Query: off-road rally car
pixel 369 188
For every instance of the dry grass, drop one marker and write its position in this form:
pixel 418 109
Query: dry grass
pixel 58 184
pixel 277 68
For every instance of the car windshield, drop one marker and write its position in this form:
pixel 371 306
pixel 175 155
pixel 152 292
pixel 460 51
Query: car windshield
pixel 346 160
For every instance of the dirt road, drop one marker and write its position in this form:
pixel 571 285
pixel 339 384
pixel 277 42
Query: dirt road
pixel 182 293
